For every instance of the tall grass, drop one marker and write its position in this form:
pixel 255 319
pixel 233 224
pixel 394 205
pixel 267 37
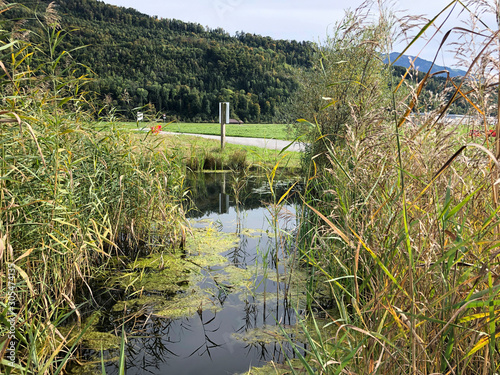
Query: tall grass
pixel 403 228
pixel 71 197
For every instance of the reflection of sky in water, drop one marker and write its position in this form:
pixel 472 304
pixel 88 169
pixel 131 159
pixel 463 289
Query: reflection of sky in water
pixel 254 227
pixel 203 343
pixel 251 219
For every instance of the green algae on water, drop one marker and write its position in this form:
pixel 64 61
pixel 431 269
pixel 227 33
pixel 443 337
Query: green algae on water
pixel 92 338
pixel 261 335
pixel 272 368
pixel 167 284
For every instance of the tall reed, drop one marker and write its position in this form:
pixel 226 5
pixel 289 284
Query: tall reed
pixel 402 227
pixel 70 195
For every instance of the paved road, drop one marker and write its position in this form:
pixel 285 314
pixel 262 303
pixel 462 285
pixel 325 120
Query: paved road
pixel 271 144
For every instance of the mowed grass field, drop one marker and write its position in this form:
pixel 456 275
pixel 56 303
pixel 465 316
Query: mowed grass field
pixel 269 131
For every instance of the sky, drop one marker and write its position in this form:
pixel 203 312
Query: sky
pixel 300 20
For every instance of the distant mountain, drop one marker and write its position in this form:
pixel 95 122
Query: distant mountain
pixel 422 65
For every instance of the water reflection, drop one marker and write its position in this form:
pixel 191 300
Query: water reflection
pixel 250 192
pixel 242 331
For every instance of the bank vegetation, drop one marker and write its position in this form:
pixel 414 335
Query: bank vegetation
pixel 402 220
pixel 71 198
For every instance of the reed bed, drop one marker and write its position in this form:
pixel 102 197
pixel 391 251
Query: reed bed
pixel 71 198
pixel 403 228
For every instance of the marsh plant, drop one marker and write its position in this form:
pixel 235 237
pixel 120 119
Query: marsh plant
pixel 344 86
pixel 403 221
pixel 69 195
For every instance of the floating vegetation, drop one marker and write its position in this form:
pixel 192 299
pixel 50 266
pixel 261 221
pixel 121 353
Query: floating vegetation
pixel 236 277
pixel 261 335
pixel 253 233
pixel 179 306
pixel 210 241
pixel 92 338
pixel 165 273
pixel 166 284
pixel 273 368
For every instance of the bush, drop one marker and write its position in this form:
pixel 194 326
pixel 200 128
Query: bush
pixel 346 88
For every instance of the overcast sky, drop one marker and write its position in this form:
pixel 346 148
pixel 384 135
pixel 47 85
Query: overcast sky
pixel 281 19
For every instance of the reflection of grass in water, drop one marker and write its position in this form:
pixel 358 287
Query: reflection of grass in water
pixel 263 256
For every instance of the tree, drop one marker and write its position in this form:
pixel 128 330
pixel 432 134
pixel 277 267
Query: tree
pixel 143 95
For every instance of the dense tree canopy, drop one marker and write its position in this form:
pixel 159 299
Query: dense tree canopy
pixel 181 69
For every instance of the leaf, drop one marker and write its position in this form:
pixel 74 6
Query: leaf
pixel 331 225
pixel 26 279
pixel 289 145
pixel 478 316
pixel 462 203
pixel 121 367
pixel 446 165
pixel 485 340
pixel 17 366
pixel 27 253
pixel 5 46
pixel 287 192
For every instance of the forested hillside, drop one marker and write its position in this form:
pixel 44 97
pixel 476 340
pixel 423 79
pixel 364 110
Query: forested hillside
pixel 166 66
pixel 182 69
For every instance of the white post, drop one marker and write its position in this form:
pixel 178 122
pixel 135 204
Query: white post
pixel 140 117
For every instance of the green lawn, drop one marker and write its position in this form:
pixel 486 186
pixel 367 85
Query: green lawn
pixel 270 131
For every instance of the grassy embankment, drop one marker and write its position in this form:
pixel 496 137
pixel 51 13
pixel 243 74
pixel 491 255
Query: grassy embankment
pixel 404 221
pixel 205 154
pixel 71 199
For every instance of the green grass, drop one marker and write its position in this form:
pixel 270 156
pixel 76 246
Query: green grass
pixel 270 131
pixel 195 150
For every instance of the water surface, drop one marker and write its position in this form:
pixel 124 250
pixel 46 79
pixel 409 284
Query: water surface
pixel 238 325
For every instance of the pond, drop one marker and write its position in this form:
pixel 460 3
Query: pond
pixel 234 295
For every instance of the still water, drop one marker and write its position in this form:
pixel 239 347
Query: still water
pixel 243 330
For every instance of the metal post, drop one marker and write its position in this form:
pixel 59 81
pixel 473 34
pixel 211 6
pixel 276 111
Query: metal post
pixel 224 119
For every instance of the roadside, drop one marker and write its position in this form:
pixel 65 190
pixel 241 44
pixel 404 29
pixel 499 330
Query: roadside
pixel 270 144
